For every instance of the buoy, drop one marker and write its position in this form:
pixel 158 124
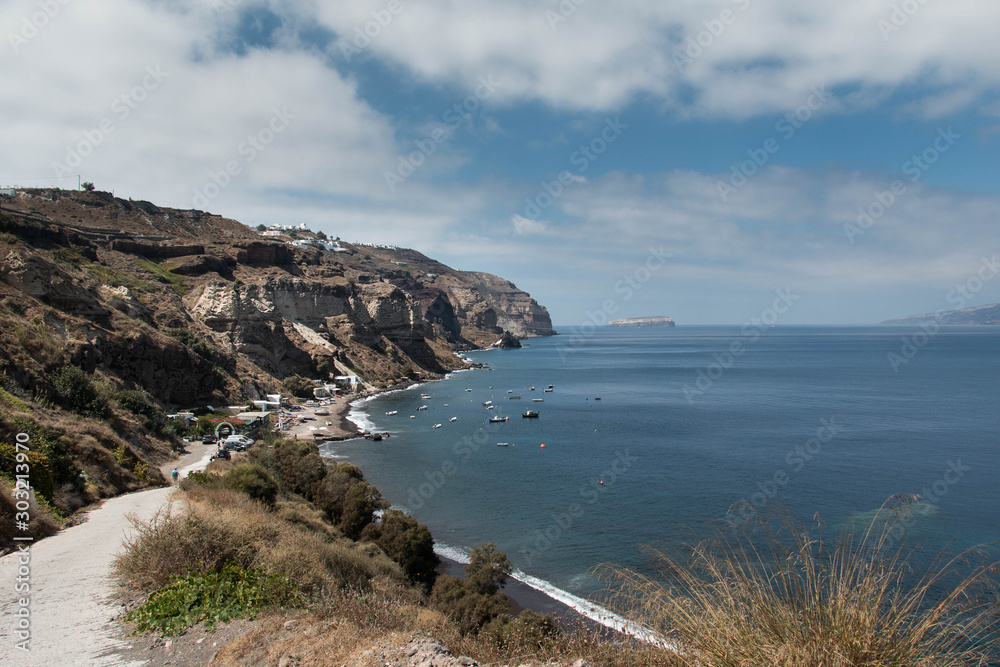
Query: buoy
pixel 602 482
pixel 543 445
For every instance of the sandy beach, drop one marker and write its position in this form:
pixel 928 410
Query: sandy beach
pixel 308 424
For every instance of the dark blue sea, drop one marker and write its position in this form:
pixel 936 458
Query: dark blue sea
pixel 690 421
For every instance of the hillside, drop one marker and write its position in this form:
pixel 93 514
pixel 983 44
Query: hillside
pixel 984 315
pixel 116 311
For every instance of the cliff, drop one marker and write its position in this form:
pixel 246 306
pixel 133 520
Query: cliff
pixel 980 315
pixel 167 308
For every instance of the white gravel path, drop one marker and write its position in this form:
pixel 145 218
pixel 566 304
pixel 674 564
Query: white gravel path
pixel 71 587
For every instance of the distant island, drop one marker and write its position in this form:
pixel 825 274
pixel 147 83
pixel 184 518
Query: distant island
pixel 642 322
pixel 986 315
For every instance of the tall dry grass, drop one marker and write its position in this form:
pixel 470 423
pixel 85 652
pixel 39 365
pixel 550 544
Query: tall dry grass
pixel 765 595
pixel 219 525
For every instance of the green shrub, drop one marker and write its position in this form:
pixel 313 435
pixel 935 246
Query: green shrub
pixel 193 343
pixel 407 542
pixel 477 600
pixel 525 634
pixel 253 480
pixel 360 505
pixel 39 476
pixel 299 466
pixel 76 391
pixel 201 478
pixel 137 403
pixel 213 597
pixel 298 386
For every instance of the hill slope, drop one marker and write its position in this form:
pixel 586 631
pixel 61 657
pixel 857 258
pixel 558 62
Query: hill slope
pixel 987 315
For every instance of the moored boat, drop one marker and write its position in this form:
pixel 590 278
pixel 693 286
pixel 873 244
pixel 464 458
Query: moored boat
pixel 530 414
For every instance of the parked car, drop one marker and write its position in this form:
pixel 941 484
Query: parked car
pixel 237 443
pixel 208 439
pixel 222 454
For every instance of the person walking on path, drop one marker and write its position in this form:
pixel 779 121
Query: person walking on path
pixel 174 475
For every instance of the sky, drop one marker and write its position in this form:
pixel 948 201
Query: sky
pixel 703 160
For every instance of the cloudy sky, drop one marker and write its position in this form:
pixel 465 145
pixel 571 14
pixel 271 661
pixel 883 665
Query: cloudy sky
pixel 684 158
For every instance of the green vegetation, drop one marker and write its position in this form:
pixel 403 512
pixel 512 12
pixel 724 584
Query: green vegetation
pixel 194 343
pixel 475 601
pixel 407 542
pixel 761 596
pixel 298 386
pixel 253 480
pixel 213 597
pixel 139 404
pixel 164 275
pixel 75 390
pixel 114 278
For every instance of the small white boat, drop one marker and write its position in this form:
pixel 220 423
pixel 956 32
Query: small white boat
pixel 497 420
pixel 488 403
pixel 468 390
pixel 537 400
pixel 425 397
pixel 413 416
pixel 547 391
pixel 437 425
pixel 391 413
pixel 491 407
pixel 453 419
pixel 503 444
pixel 510 391
pixel 551 386
pixel 532 389
pixel 322 412
pixel 422 407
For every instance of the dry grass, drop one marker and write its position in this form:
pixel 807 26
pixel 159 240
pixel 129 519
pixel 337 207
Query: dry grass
pixel 782 597
pixel 219 525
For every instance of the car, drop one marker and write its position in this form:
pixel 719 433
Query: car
pixel 208 439
pixel 222 454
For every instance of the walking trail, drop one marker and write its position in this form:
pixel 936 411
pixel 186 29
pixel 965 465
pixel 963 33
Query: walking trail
pixel 72 609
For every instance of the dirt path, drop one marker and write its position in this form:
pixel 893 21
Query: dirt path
pixel 71 587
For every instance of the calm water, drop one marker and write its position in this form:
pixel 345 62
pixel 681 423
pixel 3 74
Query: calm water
pixel 815 419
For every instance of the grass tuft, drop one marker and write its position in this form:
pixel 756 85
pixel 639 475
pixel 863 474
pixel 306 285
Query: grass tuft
pixel 760 595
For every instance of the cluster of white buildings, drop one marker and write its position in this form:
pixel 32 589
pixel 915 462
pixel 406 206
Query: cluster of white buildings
pixel 329 246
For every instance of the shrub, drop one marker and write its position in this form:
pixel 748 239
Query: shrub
pixel 213 597
pixel 39 476
pixel 488 569
pixel 253 480
pixel 469 609
pixel 360 505
pixel 407 542
pixel 525 634
pixel 761 596
pixel 137 403
pixel 299 466
pixel 298 386
pixel 76 391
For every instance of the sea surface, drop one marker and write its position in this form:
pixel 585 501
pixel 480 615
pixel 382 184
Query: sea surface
pixel 690 421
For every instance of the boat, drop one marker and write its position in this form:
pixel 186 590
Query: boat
pixel 537 400
pixel 547 391
pixel 322 412
pixel 391 413
pixel 413 416
pixel 491 407
pixel 503 444
pixel 422 407
pixel 498 419
pixel 453 419
pixel 532 389
pixel 515 398
pixel 598 398
pixel 437 425
pixel 488 403
pixel 530 414
pixel 551 386
pixel 425 397
pixel 468 390
pixel 510 391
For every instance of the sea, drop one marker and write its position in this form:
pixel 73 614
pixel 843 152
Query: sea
pixel 650 437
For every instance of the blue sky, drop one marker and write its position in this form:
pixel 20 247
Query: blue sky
pixel 731 145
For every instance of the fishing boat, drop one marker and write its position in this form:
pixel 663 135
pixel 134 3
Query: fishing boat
pixel 322 412
pixel 498 419
pixel 491 407
pixel 425 397
pixel 468 390
pixel 510 391
pixel 391 413
pixel 413 416
pixel 437 425
pixel 515 398
pixel 422 407
pixel 532 389
pixel 551 386
pixel 488 403
pixel 453 419
pixel 503 444
pixel 547 391
pixel 530 414
pixel 537 400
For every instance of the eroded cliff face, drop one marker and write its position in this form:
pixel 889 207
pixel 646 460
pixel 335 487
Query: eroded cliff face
pixel 131 275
